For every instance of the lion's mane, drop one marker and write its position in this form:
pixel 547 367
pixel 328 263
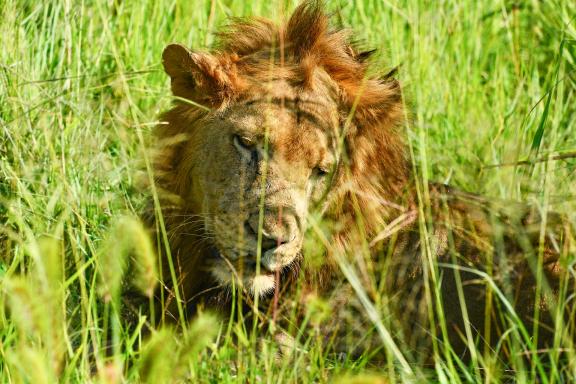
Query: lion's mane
pixel 375 170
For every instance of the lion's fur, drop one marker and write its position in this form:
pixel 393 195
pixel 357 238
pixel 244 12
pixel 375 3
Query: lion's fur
pixel 374 183
pixel 376 162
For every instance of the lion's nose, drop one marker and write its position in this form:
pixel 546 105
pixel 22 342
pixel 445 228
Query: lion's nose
pixel 276 230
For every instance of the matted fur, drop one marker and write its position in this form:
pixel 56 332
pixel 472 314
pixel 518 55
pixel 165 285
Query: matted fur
pixel 375 161
pixel 372 198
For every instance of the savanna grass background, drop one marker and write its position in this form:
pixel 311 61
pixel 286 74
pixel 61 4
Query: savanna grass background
pixel 81 88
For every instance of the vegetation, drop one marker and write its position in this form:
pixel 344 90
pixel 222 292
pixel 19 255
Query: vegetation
pixel 492 90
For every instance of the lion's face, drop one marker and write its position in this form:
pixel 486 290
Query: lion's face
pixel 255 169
pixel 258 148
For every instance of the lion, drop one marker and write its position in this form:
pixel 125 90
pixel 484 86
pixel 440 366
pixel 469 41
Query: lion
pixel 283 128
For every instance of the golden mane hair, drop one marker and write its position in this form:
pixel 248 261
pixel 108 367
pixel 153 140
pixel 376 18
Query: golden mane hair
pixel 372 194
pixel 374 170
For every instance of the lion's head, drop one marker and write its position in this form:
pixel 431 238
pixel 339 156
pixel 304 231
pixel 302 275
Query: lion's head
pixel 275 123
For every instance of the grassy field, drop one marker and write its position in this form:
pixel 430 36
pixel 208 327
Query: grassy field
pixel 81 88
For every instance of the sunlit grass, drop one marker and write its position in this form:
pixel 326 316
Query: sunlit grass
pixel 81 88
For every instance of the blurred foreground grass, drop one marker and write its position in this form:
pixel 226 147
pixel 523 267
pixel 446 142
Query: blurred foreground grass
pixel 81 87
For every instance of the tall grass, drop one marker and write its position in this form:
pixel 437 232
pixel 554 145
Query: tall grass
pixel 81 87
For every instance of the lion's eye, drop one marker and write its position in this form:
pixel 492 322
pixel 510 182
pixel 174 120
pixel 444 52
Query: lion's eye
pixel 321 171
pixel 243 142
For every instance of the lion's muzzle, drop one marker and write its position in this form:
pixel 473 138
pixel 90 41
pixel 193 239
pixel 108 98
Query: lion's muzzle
pixel 280 237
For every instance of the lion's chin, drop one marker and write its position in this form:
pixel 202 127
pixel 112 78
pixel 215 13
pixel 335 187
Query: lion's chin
pixel 257 285
pixel 262 285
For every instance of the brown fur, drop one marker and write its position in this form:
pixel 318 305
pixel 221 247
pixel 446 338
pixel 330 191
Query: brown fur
pixel 372 184
pixel 376 161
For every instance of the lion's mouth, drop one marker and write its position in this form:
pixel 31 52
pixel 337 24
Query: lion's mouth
pixel 245 262
pixel 244 271
pixel 244 274
pixel 255 254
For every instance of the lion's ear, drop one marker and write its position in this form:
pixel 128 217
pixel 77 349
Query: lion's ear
pixel 196 76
